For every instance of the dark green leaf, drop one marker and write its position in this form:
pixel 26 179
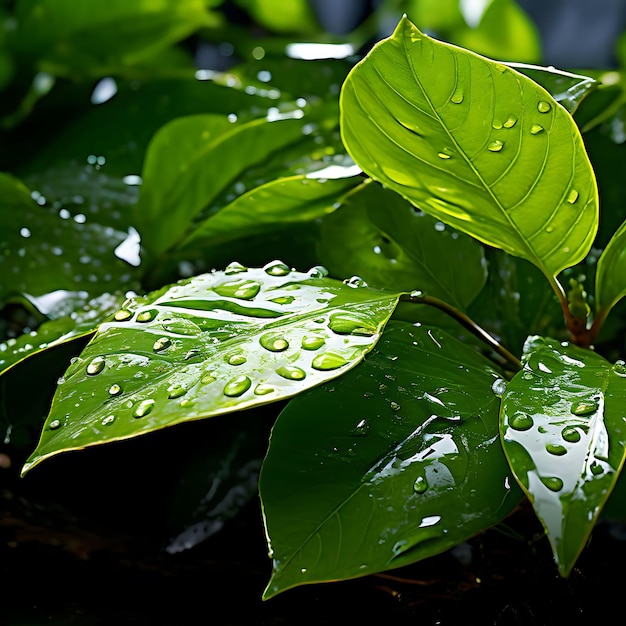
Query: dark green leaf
pixel 611 272
pixel 209 345
pixel 564 435
pixel 394 462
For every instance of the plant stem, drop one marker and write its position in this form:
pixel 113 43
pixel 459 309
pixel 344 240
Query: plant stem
pixel 420 298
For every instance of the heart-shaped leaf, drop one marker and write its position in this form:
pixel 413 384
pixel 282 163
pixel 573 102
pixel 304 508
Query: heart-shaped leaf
pixel 476 144
pixel 394 462
pixel 208 345
pixel 563 428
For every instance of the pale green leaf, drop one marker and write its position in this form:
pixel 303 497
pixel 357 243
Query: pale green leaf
pixel 474 143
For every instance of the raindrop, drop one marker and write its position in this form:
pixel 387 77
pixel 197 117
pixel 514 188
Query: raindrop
pixel 596 468
pixel 536 129
pixel 571 434
pixel 499 387
pixel 274 343
pixel 457 96
pixel 242 289
pixel 318 271
pixel 521 421
pixel 553 483
pixel 234 268
pixel 355 281
pixel 527 375
pixel 584 408
pixel 312 342
pixel 207 379
pixel 556 448
pixel 276 268
pixel 115 390
pixel 176 391
pixel 620 368
pixel 443 155
pixel 122 315
pixel 344 324
pixel 147 316
pixel 283 300
pixel 496 124
pixel 54 424
pixel 143 408
pixel 573 196
pixel 237 359
pixel 543 107
pixel 161 343
pixel 420 485
pixel 263 389
pixel 237 386
pixel 495 146
pixel 291 372
pixel 328 361
pixel 510 122
pixel 109 419
pixel 96 366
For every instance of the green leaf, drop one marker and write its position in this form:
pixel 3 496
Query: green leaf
pixel 394 462
pixel 474 143
pixel 208 345
pixel 283 201
pixel 564 434
pixel 611 272
pixel 379 236
pixel 191 159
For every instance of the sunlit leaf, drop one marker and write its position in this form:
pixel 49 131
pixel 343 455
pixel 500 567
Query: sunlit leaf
pixel 474 143
pixel 394 462
pixel 208 345
pixel 563 428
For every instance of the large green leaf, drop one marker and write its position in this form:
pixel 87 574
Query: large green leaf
pixel 379 236
pixel 474 143
pixel 611 272
pixel 563 428
pixel 394 462
pixel 208 345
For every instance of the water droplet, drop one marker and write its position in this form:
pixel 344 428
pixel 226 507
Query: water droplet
pixel 283 300
pixel 527 375
pixel 596 468
pixel 394 406
pixel 115 389
pixel 207 379
pixel 241 289
pixel 312 342
pixel 443 155
pixel 355 281
pixel 95 366
pixel 291 372
pixel 277 268
pixel 556 448
pixel 122 315
pixel 54 424
pixel 521 421
pixel 499 387
pixel 495 146
pixel 536 129
pixel 273 342
pixel 573 196
pixel 619 368
pixel 237 359
pixel 263 389
pixel 109 419
pixel 146 316
pixel 318 271
pixel 237 386
pixel 161 343
pixel 457 96
pixel 234 268
pixel 176 391
pixel 186 402
pixel 511 121
pixel 584 408
pixel 553 483
pixel 346 324
pixel 328 361
pixel 543 106
pixel 571 434
pixel 143 408
pixel 420 485
pixel 496 124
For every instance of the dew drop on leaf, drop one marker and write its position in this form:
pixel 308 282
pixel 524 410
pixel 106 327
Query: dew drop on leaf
pixel 240 289
pixel 511 121
pixel 291 372
pixel 312 342
pixel 95 366
pixel 556 448
pixel 115 390
pixel 496 124
pixel 176 391
pixel 571 434
pixel 573 196
pixel 457 96
pixel 584 408
pixel 420 485
pixel 234 268
pixel 262 389
pixel 318 271
pixel 521 421
pixel 328 361
pixel 237 359
pixel 207 379
pixel 620 368
pixel 237 386
pixel 443 155
pixel 144 407
pixel 499 387
pixel 283 300
pixel 553 483
pixel 274 343
pixel 122 315
pixel 596 468
pixel 495 146
pixel 161 343
pixel 536 129
pixel 146 316
pixel 543 106
pixel 109 419
pixel 54 424
pixel 277 268
pixel 344 324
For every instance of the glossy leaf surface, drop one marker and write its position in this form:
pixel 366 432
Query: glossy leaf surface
pixel 378 235
pixel 209 345
pixel 396 461
pixel 563 428
pixel 611 272
pixel 475 144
